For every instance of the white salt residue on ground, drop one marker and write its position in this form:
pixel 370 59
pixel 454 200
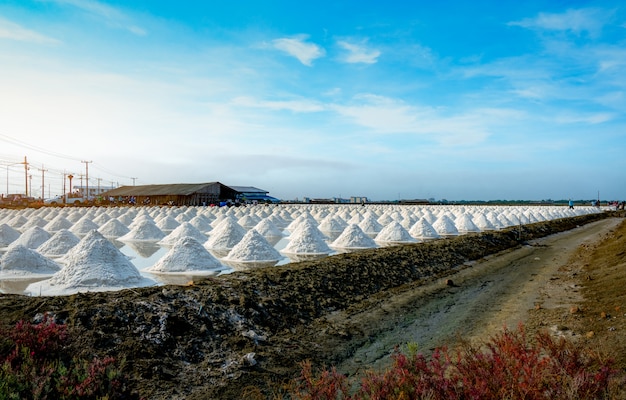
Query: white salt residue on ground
pixel 94 264
pixel 183 230
pixel 307 239
pixel 32 238
pixel 113 228
pixel 187 256
pixel 144 230
pixel 253 247
pixel 353 238
pixel 465 224
pixel 423 230
pixel 59 244
pixel 83 226
pixel 394 232
pixel 8 235
pixel 445 226
pixel 225 235
pixel 23 262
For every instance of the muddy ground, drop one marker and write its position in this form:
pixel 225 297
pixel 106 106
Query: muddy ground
pixel 244 334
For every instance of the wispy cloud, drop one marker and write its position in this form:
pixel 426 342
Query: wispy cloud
pixel 111 15
pixel 12 31
pixel 358 53
pixel 301 105
pixel 299 48
pixel 577 21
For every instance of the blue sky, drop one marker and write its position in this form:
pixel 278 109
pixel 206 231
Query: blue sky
pixel 458 100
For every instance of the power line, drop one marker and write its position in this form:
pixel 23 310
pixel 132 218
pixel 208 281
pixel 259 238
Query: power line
pixel 29 146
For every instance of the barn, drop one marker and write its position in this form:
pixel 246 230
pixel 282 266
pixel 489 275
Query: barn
pixel 179 194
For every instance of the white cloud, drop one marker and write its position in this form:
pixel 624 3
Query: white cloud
pixel 358 53
pixel 299 48
pixel 112 16
pixel 577 21
pixel 12 31
pixel 291 105
pixel 389 116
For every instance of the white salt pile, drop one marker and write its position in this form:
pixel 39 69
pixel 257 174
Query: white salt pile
pixel 8 235
pixel 113 228
pixel 201 223
pixel 248 221
pixel 353 238
pixel 482 223
pixel 57 223
pixel 370 225
pixel 32 222
pixel 307 239
pixel 59 244
pixel 331 223
pixel 253 247
pixel 394 232
pixel 225 235
pixel 423 230
pixel 83 226
pixel 24 262
pixel 144 230
pixel 187 256
pixel 167 223
pixel 465 224
pixel 445 226
pixel 268 229
pixel 32 238
pixel 183 230
pixel 94 264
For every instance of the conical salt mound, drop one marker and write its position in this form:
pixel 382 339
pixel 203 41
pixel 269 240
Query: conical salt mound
pixel 268 229
pixel 144 230
pixel 331 224
pixel 94 264
pixel 59 244
pixel 32 238
pixel 167 223
pixel 370 225
pixel 353 238
pixel 187 256
pixel 113 228
pixel 8 235
pixel 23 262
pixel 423 230
pixel 394 232
pixel 183 230
pixel 445 226
pixel 225 235
pixel 32 222
pixel 201 223
pixel 253 247
pixel 83 226
pixel 307 239
pixel 248 221
pixel 464 224
pixel 57 223
pixel 483 223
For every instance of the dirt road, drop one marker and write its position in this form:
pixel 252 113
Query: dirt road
pixel 495 292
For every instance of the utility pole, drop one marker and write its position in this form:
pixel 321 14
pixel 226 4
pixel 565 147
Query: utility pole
pixel 98 191
pixel 26 175
pixel 87 176
pixel 134 180
pixel 43 185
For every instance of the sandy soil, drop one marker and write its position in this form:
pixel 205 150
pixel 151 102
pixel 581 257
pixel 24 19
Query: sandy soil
pixel 243 335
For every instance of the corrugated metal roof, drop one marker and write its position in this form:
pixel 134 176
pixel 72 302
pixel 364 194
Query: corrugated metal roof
pixel 248 189
pixel 184 189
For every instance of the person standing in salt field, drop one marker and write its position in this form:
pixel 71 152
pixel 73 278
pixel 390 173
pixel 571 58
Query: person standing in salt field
pixel 571 204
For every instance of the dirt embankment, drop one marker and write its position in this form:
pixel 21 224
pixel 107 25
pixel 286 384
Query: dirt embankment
pixel 217 338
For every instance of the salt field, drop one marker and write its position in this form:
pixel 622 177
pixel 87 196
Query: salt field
pixel 59 251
